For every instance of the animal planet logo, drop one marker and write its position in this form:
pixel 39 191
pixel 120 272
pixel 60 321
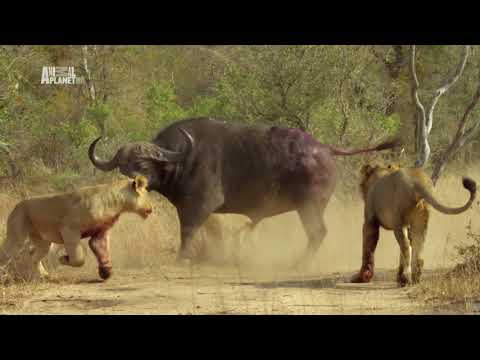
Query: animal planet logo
pixel 63 75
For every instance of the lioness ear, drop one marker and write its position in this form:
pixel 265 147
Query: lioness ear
pixel 140 183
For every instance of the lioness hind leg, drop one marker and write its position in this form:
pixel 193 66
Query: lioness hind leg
pixel 371 233
pixel 18 228
pixel 418 261
pixel 404 275
pixel 41 250
pixel 417 234
pixel 75 254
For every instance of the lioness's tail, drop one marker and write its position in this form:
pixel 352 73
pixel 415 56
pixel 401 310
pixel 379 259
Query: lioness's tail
pixel 383 146
pixel 468 184
pixel 17 234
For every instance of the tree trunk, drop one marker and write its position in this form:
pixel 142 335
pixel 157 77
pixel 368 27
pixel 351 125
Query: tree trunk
pixel 88 77
pixel 462 136
pixel 425 114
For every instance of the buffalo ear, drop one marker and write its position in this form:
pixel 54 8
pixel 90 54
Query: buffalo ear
pixel 140 183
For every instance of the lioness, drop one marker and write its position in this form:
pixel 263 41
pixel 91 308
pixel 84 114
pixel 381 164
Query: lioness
pixel 397 199
pixel 66 218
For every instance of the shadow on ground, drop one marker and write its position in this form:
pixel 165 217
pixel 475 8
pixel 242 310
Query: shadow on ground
pixel 384 279
pixel 82 304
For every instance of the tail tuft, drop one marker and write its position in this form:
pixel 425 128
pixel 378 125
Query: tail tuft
pixel 470 185
pixel 389 144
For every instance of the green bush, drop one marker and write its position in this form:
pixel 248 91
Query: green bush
pixel 76 135
pixel 99 114
pixel 162 105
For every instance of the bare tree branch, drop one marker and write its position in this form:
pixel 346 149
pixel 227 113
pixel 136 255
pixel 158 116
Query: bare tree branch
pixel 415 97
pixel 447 85
pixel 462 136
pixel 88 77
pixel 343 104
pixel 425 115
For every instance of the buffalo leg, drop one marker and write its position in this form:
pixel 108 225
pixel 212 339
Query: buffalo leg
pixel 211 234
pixel 312 216
pixel 371 233
pixel 193 210
pixel 243 236
pixel 190 221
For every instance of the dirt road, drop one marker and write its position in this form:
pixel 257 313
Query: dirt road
pixel 177 290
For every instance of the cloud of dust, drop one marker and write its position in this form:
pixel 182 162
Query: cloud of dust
pixel 278 242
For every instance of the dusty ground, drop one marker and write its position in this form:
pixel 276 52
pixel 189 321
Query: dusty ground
pixel 146 281
pixel 176 290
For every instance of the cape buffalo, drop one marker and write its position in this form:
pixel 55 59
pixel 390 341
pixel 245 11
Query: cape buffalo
pixel 206 166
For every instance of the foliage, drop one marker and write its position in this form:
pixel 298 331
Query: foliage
pixel 342 94
pixel 162 105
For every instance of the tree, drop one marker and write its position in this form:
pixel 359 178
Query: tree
pixel 425 113
pixel 465 134
pixel 14 171
pixel 394 59
pixel 280 84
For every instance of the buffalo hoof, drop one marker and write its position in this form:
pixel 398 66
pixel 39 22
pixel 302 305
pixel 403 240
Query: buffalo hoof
pixel 105 272
pixel 362 277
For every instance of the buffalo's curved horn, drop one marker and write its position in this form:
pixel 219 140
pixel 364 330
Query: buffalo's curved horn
pixel 99 163
pixel 177 156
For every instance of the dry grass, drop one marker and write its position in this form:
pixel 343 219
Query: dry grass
pixel 449 289
pixel 460 285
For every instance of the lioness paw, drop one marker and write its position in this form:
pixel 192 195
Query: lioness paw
pixel 105 272
pixel 362 277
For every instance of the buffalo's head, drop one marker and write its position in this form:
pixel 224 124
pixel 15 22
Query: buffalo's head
pixel 144 158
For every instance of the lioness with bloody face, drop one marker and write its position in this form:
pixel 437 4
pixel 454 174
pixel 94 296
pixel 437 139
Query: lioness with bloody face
pixel 69 217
